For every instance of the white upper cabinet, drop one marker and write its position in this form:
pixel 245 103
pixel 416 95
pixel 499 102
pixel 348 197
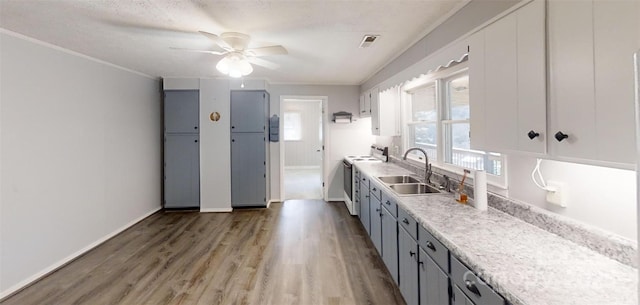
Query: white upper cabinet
pixel 384 114
pixel 591 44
pixel 507 83
pixel 365 105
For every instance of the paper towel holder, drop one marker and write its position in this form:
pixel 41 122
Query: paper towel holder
pixel 342 117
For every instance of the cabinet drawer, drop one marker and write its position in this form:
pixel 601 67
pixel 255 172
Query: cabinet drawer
pixel 436 250
pixel 472 286
pixel 364 181
pixel 408 223
pixel 374 189
pixel 389 204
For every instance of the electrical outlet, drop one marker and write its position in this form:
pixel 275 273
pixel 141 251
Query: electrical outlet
pixel 556 193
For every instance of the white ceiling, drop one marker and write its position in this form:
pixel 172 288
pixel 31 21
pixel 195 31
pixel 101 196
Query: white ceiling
pixel 322 36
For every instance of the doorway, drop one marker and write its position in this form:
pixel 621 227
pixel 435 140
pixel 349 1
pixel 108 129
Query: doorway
pixel 302 148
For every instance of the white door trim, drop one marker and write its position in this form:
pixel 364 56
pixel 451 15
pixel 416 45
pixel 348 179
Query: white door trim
pixel 325 134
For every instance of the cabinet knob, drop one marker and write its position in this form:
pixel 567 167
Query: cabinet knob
pixel 388 202
pixel 233 140
pixel 471 286
pixel 405 220
pixel 561 136
pixel 374 189
pixel 232 127
pixel 378 210
pixel 196 127
pixel 431 246
pixel 532 134
pixel 196 141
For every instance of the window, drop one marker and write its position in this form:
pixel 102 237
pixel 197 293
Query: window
pixel 438 122
pixel 292 126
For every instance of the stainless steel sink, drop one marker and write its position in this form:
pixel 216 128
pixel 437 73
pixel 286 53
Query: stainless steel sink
pixel 398 179
pixel 413 189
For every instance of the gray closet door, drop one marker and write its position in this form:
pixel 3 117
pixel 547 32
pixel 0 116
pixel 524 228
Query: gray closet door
pixel 181 110
pixel 181 171
pixel 248 174
pixel 248 111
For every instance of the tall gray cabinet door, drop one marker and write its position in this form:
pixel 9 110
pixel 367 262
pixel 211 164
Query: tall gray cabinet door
pixel 248 111
pixel 376 223
pixel 408 267
pixel 390 243
pixel 181 111
pixel 248 181
pixel 434 283
pixel 181 171
pixel 364 207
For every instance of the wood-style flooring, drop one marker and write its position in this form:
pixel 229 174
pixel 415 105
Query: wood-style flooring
pixel 296 252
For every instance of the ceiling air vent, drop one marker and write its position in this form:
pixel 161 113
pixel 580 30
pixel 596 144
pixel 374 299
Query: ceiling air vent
pixel 368 40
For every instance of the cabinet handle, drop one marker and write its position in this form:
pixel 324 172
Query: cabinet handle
pixel 388 202
pixel 532 134
pixel 232 127
pixel 381 215
pixel 471 286
pixel 233 140
pixel 196 141
pixel 377 210
pixel 195 127
pixel 411 253
pixel 420 263
pixel 374 189
pixel 431 246
pixel 366 196
pixel 405 220
pixel 561 136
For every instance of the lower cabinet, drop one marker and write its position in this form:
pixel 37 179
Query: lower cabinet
pixel 375 213
pixel 421 266
pixel 364 206
pixel 408 267
pixel 390 243
pixel 434 283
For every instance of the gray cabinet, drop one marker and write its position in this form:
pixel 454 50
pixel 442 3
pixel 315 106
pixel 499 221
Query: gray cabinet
pixel 181 111
pixel 458 298
pixel 408 267
pixel 249 113
pixel 375 211
pixel 364 204
pixel 434 283
pixel 390 242
pixel 181 149
pixel 472 286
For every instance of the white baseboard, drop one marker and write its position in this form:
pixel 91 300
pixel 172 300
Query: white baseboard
pixel 303 167
pixel 272 200
pixel 335 199
pixel 15 288
pixel 216 210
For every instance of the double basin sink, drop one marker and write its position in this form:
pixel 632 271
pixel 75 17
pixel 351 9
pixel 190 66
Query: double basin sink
pixel 407 185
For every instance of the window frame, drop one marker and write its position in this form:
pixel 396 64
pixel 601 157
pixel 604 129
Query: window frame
pixel 440 79
pixel 286 114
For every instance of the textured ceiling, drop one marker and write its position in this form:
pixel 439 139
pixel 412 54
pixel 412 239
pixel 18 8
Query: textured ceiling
pixel 322 37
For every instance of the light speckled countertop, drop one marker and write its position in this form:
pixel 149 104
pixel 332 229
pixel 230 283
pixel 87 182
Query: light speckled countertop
pixel 525 264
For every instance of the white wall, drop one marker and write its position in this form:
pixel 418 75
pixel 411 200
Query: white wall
pixel 341 139
pixel 303 152
pixel 215 146
pixel 80 155
pixel 599 196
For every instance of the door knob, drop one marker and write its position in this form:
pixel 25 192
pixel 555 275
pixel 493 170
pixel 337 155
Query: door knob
pixel 532 134
pixel 561 136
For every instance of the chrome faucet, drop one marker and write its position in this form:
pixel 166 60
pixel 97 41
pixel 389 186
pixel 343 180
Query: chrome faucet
pixel 427 165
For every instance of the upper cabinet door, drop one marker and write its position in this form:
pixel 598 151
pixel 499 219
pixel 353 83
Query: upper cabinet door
pixel 507 83
pixel 181 111
pixel 248 111
pixel 591 44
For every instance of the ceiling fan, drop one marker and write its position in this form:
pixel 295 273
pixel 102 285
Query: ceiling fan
pixel 237 56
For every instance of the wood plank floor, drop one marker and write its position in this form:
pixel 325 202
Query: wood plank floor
pixel 297 252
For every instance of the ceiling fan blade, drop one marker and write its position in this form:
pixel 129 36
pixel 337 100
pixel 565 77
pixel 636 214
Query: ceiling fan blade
pixel 201 51
pixel 219 41
pixel 263 63
pixel 266 51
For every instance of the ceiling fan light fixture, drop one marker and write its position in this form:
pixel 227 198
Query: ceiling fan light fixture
pixel 235 65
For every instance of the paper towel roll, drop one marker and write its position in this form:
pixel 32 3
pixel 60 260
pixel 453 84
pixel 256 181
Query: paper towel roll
pixel 480 190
